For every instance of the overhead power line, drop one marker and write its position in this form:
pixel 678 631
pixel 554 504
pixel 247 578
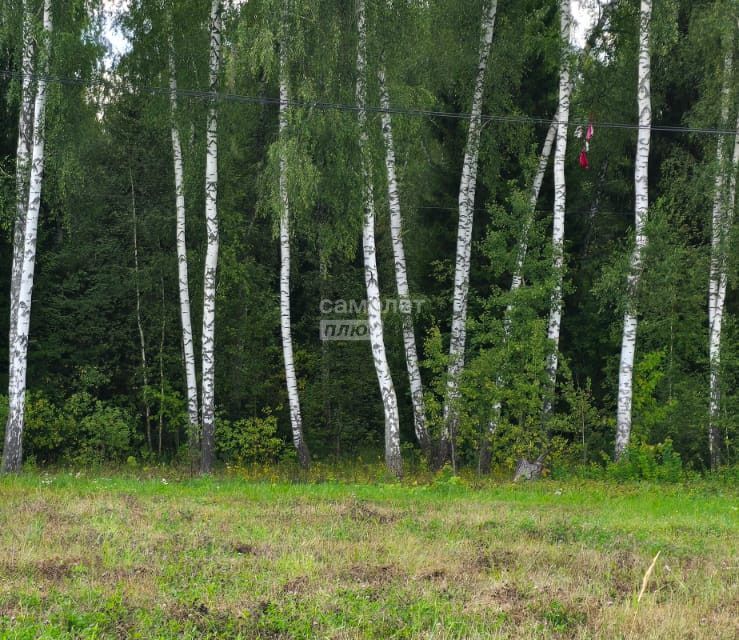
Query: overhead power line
pixel 336 106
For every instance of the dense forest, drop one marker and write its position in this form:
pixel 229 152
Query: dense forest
pixel 478 233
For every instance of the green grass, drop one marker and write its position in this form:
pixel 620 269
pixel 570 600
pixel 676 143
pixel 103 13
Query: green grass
pixel 225 557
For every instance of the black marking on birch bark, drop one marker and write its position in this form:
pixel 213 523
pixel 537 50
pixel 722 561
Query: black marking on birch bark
pixel 641 187
pixel 393 458
pixel 211 260
pixel 188 349
pixel 296 420
pixel 467 188
pixel 13 449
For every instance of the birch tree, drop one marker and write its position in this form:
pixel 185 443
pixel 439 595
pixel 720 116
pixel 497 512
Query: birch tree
pixel 718 313
pixel 560 198
pixel 393 458
pixel 13 450
pixel 466 202
pixel 546 151
pixel 23 157
pixel 296 418
pixel 401 274
pixel 721 220
pixel 517 279
pixel 188 349
pixel 211 256
pixel 641 186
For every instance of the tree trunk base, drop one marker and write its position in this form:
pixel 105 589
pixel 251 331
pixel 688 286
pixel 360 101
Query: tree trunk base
pixel 394 465
pixel 714 436
pixel 442 455
pixel 303 455
pixel 526 470
pixel 486 458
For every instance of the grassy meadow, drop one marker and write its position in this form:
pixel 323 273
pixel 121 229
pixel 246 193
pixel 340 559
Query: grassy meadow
pixel 152 557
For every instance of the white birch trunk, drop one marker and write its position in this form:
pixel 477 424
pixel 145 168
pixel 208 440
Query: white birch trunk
pixel 719 184
pixel 718 263
pixel 467 187
pixel 726 226
pixel 546 152
pixel 393 459
pixel 296 418
pixel 401 275
pixel 716 325
pixel 211 256
pixel 23 156
pixel 641 186
pixel 560 200
pixel 188 347
pixel 518 277
pixel 13 450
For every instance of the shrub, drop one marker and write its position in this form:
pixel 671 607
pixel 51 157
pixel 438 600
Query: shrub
pixel 46 429
pixel 249 440
pixel 85 430
pixel 106 435
pixel 643 461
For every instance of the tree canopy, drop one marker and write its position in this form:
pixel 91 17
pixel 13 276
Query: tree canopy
pixel 99 300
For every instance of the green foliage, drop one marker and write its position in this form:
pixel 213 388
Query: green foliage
pixel 511 374
pixel 302 179
pixel 642 461
pixel 665 31
pixel 83 431
pixel 103 431
pixel 561 618
pixel 47 430
pixel 649 412
pixel 446 481
pixel 249 440
pixel 436 362
pixel 590 428
pixel 170 408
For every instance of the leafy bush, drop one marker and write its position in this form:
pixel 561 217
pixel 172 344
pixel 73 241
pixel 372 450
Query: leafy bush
pixel 446 480
pixel 643 461
pixel 101 431
pixel 47 429
pixel 84 430
pixel 249 440
pixel 650 412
